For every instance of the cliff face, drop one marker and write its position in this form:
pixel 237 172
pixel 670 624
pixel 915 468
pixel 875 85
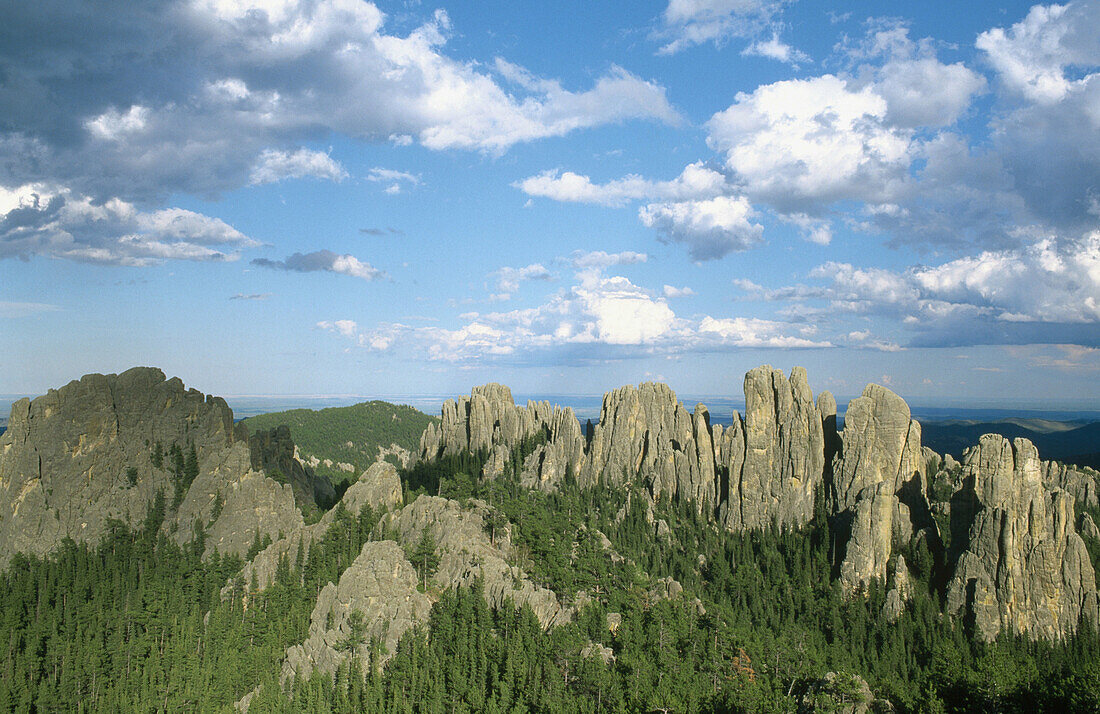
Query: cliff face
pixel 104 446
pixel 1014 560
pixel 1023 568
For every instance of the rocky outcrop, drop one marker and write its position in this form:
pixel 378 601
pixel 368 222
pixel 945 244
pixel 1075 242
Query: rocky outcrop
pixel 489 421
pixel 879 487
pixel 842 693
pixel 100 448
pixel 1023 568
pixel 763 470
pixel 1082 483
pixel 376 601
pixel 646 435
pixel 467 554
pixel 378 487
pixel 273 452
pixel 783 453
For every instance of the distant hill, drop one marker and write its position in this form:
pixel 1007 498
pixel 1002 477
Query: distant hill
pixel 1069 442
pixel 344 441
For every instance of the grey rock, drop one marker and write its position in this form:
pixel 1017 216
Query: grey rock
pixel 273 452
pixel 1081 483
pixel 380 585
pixel 79 456
pixel 466 554
pixel 1088 528
pixel 783 455
pixel 879 490
pixel 1024 568
pixel 595 649
pixel 841 693
pixel 378 487
pixel 645 435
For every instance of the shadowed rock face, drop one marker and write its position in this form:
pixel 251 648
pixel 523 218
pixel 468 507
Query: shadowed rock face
pixel 878 495
pixel 1024 568
pixel 274 453
pixel 79 456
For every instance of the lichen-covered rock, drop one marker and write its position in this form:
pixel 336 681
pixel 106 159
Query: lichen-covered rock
pixel 376 600
pixel 900 593
pixel 784 453
pixel 466 554
pixel 100 448
pixel 1023 568
pixel 378 487
pixel 842 693
pixel 879 490
pixel 1088 528
pixel 274 453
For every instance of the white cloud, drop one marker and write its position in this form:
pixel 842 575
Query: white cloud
pixel 710 229
pixel 598 317
pixel 694 22
pixel 600 260
pixel 41 220
pixel 801 144
pixel 273 166
pixel 670 291
pixel 218 95
pixel 380 174
pixel 777 50
pixel 324 261
pixel 924 92
pixel 508 278
pixel 696 181
pixel 347 328
pixel 815 230
pixel 1033 55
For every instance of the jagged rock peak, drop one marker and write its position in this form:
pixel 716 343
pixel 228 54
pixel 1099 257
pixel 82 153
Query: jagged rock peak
pixel 102 447
pixel 1024 568
pixel 783 454
pixel 879 485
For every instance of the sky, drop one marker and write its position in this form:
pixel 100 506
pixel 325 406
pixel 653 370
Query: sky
pixel 302 197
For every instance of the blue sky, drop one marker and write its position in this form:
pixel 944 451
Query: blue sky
pixel 339 197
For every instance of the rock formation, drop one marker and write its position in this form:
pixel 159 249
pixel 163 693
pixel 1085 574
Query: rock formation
pixel 489 421
pixel 378 487
pixel 101 448
pixel 376 600
pixel 783 453
pixel 273 452
pixel 879 487
pixel 1023 567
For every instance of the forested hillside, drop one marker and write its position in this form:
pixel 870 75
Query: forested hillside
pixel 343 441
pixel 137 624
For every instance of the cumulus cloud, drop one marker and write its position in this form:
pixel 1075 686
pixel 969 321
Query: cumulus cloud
pixel 347 328
pixel 206 88
pixel 696 181
pixel 803 144
pixel 694 22
pixel 40 220
pixel 1032 57
pixel 710 229
pixel 671 291
pixel 777 50
pixel 324 261
pixel 598 317
pixel 1047 291
pixel 508 278
pixel 273 166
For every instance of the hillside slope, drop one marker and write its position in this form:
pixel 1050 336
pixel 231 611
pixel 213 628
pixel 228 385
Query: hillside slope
pixel 342 442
